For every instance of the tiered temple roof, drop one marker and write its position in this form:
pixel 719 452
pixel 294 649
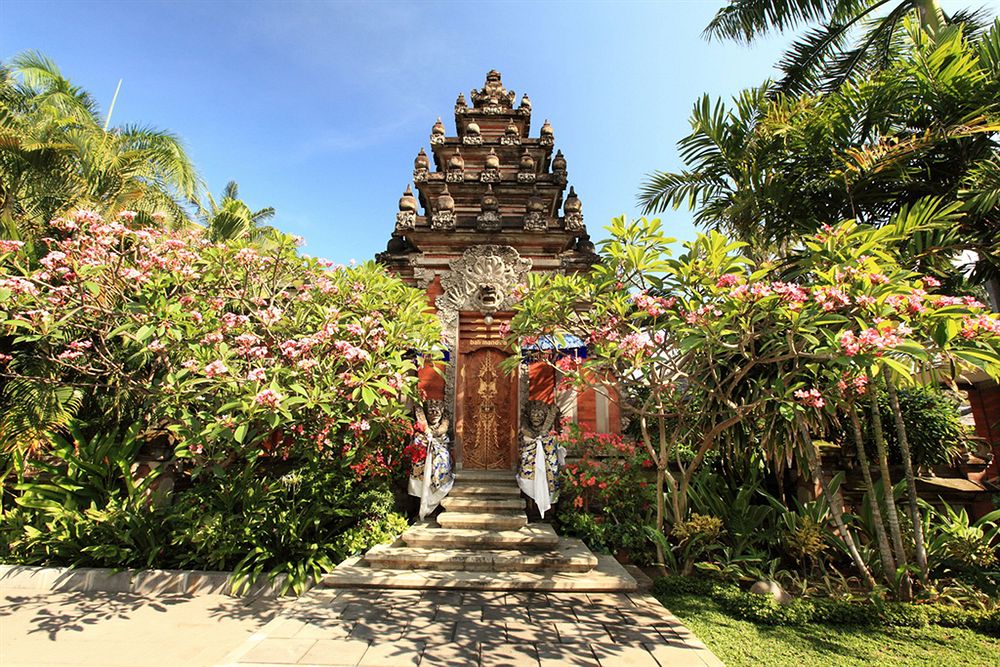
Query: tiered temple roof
pixel 490 184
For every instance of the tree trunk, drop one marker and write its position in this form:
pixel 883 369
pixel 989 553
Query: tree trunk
pixel 661 558
pixel 892 514
pixel 838 516
pixel 920 549
pixel 884 549
pixel 930 15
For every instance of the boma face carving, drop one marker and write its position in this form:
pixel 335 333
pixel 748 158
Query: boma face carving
pixel 537 412
pixel 489 296
pixel 435 412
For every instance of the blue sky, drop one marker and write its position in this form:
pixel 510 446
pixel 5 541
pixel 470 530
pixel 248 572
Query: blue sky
pixel 318 108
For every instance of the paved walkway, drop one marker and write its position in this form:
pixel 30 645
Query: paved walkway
pixel 386 628
pixel 382 628
pixel 44 629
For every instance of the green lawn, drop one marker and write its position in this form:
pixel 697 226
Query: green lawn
pixel 739 642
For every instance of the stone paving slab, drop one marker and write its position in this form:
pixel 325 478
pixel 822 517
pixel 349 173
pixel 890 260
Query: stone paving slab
pixel 475 628
pixel 95 629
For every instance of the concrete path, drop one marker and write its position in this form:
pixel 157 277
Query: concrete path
pixel 388 628
pixel 44 629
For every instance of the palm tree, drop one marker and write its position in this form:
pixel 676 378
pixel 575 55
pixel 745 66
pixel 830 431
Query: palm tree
pixel 231 219
pixel 56 154
pixel 771 167
pixel 854 36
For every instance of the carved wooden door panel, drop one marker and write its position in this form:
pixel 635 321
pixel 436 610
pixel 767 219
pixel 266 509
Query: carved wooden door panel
pixel 489 411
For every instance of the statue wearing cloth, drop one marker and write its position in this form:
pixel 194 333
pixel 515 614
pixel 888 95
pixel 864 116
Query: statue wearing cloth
pixel 432 482
pixel 540 456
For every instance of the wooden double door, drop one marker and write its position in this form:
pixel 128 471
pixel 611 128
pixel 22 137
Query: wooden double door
pixel 486 397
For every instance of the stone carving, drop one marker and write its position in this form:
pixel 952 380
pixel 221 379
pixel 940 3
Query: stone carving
pixel 534 222
pixel 456 168
pixel 535 219
pixel 482 279
pixel 573 212
pixel 460 105
pixel 437 132
pixel 546 135
pixel 526 168
pixel 472 136
pixel 559 168
pixel 443 220
pixel 491 168
pixel 489 221
pixel 538 419
pixel 493 98
pixel 511 137
pixel 421 167
pixel 406 221
pixel 444 216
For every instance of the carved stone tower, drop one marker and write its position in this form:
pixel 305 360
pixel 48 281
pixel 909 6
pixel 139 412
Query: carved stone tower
pixel 491 205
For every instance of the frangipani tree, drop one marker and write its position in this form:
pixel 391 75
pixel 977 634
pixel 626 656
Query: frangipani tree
pixel 234 348
pixel 696 345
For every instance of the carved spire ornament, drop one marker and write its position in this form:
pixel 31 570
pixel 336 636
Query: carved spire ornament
pixel 573 212
pixel 444 215
pixel 437 132
pixel 534 219
pixel 421 167
pixel 456 168
pixel 406 219
pixel 546 136
pixel 526 168
pixel 491 168
pixel 472 136
pixel 489 219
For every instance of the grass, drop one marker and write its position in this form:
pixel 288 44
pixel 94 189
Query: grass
pixel 738 642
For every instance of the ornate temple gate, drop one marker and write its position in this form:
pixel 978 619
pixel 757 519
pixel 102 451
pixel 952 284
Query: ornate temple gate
pixel 495 207
pixel 486 398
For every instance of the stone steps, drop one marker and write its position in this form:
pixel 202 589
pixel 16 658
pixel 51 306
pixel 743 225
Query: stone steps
pixel 482 520
pixel 570 555
pixel 481 504
pixel 485 475
pixel 607 576
pixel 490 490
pixel 532 536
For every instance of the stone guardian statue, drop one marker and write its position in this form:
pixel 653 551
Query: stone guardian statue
pixel 540 456
pixel 432 482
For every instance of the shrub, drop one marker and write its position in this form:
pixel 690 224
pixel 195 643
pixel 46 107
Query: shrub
pixel 278 383
pixel 606 498
pixel 873 612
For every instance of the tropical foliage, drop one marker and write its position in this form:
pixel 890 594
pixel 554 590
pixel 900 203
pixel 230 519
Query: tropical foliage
pixel 250 362
pixel 771 167
pixel 57 153
pixel 709 348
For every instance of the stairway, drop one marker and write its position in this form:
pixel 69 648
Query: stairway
pixel 482 540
